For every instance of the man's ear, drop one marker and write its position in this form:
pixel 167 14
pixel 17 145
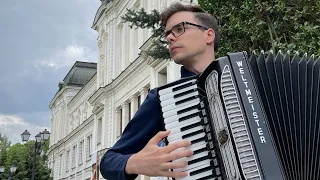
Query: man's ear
pixel 210 36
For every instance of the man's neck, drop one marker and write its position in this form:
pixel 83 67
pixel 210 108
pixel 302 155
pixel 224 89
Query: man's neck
pixel 200 64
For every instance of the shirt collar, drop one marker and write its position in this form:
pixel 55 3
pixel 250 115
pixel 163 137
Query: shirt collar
pixel 185 73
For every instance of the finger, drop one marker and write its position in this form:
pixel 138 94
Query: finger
pixel 178 155
pixel 177 145
pixel 159 136
pixel 174 174
pixel 174 165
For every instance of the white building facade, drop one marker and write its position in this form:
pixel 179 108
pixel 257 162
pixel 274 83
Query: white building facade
pixel 88 117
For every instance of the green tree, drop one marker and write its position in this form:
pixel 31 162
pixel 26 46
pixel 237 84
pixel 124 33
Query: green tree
pixel 255 25
pixel 22 156
pixel 17 156
pixel 249 25
pixel 4 147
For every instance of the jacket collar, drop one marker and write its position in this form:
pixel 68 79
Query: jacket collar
pixel 185 73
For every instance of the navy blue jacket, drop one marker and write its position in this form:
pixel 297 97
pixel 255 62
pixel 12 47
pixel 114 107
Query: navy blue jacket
pixel 145 124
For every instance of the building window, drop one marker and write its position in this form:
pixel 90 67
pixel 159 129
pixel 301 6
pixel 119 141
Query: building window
pixel 60 165
pixel 162 77
pixel 121 119
pixel 73 158
pixel 80 153
pixel 99 131
pixel 89 147
pixel 139 101
pixel 67 160
pixel 129 107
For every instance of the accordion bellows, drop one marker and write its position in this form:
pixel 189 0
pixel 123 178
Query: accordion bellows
pixel 249 117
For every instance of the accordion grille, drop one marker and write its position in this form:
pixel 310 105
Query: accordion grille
pixel 238 127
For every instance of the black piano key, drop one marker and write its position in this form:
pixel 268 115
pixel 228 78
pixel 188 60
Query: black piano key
pixel 191 126
pixel 208 177
pixel 198 140
pixel 309 138
pixel 200 150
pixel 198 160
pixel 184 93
pixel 189 109
pixel 201 170
pixel 192 134
pixel 183 86
pixel 296 104
pixel 188 117
pixel 186 100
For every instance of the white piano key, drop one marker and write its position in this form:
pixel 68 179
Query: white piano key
pixel 177 116
pixel 193 146
pixel 169 89
pixel 183 123
pixel 193 157
pixel 192 166
pixel 175 111
pixel 174 106
pixel 173 100
pixel 178 130
pixel 170 95
pixel 195 169
pixel 178 136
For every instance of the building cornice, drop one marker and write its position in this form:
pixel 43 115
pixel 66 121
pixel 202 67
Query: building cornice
pixel 84 90
pixel 100 12
pixel 71 134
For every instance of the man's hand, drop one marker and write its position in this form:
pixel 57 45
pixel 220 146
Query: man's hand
pixel 153 160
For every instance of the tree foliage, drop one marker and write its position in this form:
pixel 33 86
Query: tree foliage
pixel 21 156
pixel 249 25
pixel 267 24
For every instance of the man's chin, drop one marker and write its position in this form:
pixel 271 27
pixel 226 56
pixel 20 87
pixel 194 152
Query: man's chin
pixel 178 60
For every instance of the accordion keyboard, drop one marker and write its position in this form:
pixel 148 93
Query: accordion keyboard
pixel 185 116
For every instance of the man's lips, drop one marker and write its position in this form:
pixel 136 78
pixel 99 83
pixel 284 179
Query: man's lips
pixel 173 48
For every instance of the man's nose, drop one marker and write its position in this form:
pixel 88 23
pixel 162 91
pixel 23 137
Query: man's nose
pixel 171 38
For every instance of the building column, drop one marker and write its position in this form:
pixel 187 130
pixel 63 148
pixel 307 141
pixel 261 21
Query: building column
pixel 125 115
pixel 118 125
pixel 134 105
pixel 143 94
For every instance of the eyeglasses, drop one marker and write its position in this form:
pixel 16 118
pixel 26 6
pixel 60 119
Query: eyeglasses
pixel 178 29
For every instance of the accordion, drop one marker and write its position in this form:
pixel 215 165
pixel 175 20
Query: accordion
pixel 248 116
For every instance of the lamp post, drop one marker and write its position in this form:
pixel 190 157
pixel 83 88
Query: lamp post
pixel 12 171
pixel 42 136
pixel 1 169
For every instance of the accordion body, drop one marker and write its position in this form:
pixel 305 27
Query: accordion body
pixel 248 117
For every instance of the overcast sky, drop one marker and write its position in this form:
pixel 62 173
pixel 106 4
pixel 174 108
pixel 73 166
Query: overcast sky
pixel 39 42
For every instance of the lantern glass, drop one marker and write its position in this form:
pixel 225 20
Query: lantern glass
pixel 25 136
pixel 38 137
pixel 1 169
pixel 45 135
pixel 13 169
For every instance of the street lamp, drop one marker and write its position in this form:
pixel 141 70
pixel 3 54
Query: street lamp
pixel 1 169
pixel 12 171
pixel 45 135
pixel 42 136
pixel 25 136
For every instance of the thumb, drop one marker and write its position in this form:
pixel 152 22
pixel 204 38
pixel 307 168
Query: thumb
pixel 159 136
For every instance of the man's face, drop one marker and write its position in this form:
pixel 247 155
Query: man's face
pixel 190 43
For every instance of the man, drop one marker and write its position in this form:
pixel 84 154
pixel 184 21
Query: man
pixel 193 36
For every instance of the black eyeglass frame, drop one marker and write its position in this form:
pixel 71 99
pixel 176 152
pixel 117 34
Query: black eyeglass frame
pixel 184 29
